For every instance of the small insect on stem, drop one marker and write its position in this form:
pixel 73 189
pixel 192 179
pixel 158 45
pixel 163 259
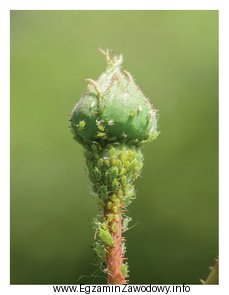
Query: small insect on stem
pixel 106 237
pixel 82 124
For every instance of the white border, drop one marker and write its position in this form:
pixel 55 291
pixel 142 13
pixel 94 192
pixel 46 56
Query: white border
pixel 5 288
pixel 113 5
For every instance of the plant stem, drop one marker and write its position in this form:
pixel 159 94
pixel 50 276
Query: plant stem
pixel 114 257
pixel 213 277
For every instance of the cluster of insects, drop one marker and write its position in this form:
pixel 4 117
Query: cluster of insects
pixel 113 171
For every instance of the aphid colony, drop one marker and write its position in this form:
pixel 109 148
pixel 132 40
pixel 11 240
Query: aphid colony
pixel 112 171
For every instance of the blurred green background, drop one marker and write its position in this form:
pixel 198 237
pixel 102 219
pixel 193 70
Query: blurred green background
pixel 173 56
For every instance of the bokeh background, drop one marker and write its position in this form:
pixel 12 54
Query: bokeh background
pixel 173 56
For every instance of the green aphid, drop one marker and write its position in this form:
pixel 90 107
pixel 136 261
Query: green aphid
pixel 113 197
pixel 114 172
pixel 124 163
pixel 119 164
pixel 137 167
pixel 109 205
pixel 123 180
pixel 114 184
pixel 125 223
pixel 133 165
pixel 102 135
pixel 97 173
pixel 131 154
pixel 103 191
pixel 104 225
pixel 112 152
pixel 119 193
pixel 106 237
pixel 101 128
pixel 135 176
pixel 110 217
pixel 115 209
pixel 117 202
pixel 139 157
pixel 125 270
pixel 123 171
pixel 100 251
pixel 128 189
pixel 123 158
pixel 127 164
pixel 129 196
pixel 114 227
pixel 82 124
pixel 100 162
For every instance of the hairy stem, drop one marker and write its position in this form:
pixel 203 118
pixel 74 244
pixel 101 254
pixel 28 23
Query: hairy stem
pixel 115 257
